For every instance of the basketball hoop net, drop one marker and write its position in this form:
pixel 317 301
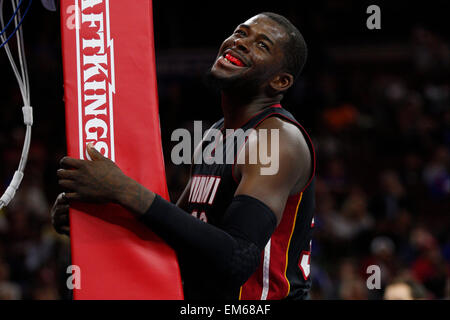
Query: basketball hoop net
pixel 24 86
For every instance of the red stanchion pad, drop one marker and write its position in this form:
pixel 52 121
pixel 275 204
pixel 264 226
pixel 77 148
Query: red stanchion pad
pixel 111 100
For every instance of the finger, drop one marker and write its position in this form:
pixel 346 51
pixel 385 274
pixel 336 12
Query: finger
pixel 68 163
pixel 62 228
pixel 63 197
pixel 61 209
pixel 60 199
pixel 93 153
pixel 62 218
pixel 67 184
pixel 72 196
pixel 66 174
pixel 61 222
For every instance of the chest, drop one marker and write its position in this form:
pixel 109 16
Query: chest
pixel 211 191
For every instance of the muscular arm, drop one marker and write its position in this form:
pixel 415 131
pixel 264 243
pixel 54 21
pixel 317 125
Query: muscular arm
pixel 233 251
pixel 292 170
pixel 249 221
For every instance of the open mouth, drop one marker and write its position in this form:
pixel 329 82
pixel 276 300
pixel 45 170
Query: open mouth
pixel 234 60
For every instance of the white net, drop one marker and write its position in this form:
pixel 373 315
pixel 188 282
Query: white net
pixel 21 74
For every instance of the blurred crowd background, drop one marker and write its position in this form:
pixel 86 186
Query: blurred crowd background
pixel 376 103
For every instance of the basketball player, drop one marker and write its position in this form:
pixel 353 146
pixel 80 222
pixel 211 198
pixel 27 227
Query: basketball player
pixel 249 235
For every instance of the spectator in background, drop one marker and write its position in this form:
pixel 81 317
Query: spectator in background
pixel 336 177
pixel 437 175
pixel 392 196
pixel 353 218
pixel 404 289
pixel 383 254
pixel 429 267
pixel 350 286
pixel 430 52
pixel 8 289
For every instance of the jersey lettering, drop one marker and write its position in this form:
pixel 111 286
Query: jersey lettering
pixel 204 189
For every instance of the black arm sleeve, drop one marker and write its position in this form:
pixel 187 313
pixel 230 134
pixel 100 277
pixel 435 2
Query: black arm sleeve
pixel 233 250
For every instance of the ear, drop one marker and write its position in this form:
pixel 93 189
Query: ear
pixel 281 82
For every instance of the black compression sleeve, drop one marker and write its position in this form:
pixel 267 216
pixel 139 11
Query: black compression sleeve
pixel 250 219
pixel 233 250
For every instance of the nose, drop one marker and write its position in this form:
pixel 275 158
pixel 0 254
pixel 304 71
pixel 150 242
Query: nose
pixel 241 44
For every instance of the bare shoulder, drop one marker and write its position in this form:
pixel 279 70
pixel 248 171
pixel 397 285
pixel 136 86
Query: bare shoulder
pixel 289 132
pixel 286 144
pixel 294 149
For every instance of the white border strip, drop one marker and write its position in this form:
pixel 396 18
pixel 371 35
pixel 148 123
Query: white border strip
pixel 80 103
pixel 112 83
pixel 266 266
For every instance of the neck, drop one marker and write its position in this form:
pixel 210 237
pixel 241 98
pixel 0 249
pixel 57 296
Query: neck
pixel 237 110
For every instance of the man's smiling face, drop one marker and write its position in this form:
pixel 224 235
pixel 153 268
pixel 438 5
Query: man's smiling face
pixel 252 54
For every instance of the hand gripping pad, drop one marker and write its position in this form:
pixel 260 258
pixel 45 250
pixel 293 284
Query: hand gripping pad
pixel 111 100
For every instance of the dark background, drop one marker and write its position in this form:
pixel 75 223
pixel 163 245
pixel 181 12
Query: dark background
pixel 376 103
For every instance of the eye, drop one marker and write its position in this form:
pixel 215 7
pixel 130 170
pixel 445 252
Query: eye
pixel 263 45
pixel 240 32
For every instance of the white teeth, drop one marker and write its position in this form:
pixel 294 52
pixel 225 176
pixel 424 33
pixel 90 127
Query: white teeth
pixel 229 61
